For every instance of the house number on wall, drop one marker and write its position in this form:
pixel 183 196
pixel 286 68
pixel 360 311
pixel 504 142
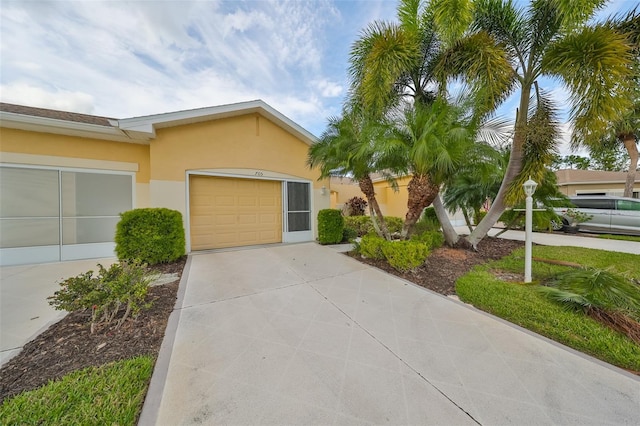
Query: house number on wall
pixel 259 174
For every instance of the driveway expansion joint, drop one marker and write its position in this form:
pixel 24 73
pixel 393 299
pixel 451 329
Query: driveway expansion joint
pixel 398 357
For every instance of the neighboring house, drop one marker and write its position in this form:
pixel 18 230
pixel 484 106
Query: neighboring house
pixel 393 202
pixel 237 173
pixel 594 182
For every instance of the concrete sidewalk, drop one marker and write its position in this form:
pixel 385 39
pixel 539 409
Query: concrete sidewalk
pixel 301 334
pixel 24 309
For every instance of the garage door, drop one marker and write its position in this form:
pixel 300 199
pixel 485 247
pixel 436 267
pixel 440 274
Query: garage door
pixel 227 212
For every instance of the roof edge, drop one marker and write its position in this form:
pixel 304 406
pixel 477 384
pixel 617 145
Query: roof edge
pixel 149 124
pixel 65 127
pixel 142 129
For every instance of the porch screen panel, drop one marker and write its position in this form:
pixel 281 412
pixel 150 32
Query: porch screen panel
pixel 298 206
pixel 30 207
pixel 91 204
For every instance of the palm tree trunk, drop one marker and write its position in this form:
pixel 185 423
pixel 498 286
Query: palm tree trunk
pixel 513 169
pixel 422 192
pixel 629 141
pixel 367 188
pixel 467 220
pixel 450 234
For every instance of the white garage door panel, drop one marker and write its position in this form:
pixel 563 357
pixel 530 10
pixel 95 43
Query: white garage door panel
pixel 227 212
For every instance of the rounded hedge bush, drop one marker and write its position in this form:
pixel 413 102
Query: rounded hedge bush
pixel 330 226
pixel 151 235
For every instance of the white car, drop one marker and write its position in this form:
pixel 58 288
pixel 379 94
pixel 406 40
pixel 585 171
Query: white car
pixel 615 215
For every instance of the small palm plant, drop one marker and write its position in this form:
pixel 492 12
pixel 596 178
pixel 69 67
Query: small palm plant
pixel 603 295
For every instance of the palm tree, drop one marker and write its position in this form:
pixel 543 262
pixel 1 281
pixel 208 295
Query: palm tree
pixel 548 38
pixel 395 64
pixel 347 148
pixel 432 141
pixel 626 129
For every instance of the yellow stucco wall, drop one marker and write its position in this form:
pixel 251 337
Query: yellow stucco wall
pixel 248 146
pixel 15 141
pixel 342 190
pixel 395 202
pixel 392 203
pixel 244 142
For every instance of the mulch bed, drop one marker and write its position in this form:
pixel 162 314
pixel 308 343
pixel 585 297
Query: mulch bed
pixel 69 345
pixel 445 265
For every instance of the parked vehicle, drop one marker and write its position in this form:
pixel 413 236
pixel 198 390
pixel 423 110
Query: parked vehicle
pixel 606 214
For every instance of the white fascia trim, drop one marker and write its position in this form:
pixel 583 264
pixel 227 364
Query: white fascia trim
pixel 598 182
pixel 148 124
pixel 64 127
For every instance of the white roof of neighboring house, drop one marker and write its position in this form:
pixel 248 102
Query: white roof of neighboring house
pixel 136 129
pixel 581 177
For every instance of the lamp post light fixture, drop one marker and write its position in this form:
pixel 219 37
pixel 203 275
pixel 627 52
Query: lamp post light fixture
pixel 529 188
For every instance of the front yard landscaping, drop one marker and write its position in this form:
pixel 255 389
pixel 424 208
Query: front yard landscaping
pixel 68 375
pixel 491 279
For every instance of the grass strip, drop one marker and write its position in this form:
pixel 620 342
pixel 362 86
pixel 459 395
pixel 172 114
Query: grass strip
pixel 625 264
pixel 619 237
pixel 521 304
pixel 110 394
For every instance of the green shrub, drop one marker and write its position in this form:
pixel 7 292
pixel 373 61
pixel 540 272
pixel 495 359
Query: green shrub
pixel 349 234
pixel 122 287
pixel 428 222
pixel 330 226
pixel 394 224
pixel 405 255
pixel 433 239
pixel 151 235
pixel 478 216
pixel 371 246
pixel 363 225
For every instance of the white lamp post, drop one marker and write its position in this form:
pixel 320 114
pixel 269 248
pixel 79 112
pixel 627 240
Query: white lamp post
pixel 529 188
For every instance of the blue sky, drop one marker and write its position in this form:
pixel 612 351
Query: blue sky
pixel 129 58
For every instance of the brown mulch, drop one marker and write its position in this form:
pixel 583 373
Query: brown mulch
pixel 445 265
pixel 69 345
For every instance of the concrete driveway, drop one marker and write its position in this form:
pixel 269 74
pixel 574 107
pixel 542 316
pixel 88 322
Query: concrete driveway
pixel 24 309
pixel 303 335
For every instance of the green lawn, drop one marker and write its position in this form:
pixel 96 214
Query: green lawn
pixel 108 395
pixel 521 304
pixel 620 237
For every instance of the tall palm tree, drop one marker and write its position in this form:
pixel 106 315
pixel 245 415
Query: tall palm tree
pixel 347 148
pixel 547 38
pixel 626 129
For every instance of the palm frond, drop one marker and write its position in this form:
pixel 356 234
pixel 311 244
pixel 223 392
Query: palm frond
pixel 574 13
pixel 568 300
pixel 409 12
pixel 595 64
pixel 506 23
pixel 601 289
pixel 485 66
pixel 379 58
pixel 452 17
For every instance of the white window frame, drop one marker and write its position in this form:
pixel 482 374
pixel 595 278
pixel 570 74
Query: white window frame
pixel 63 252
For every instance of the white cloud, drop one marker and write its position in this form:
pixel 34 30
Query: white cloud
pixel 135 58
pixel 63 100
pixel 124 59
pixel 328 89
